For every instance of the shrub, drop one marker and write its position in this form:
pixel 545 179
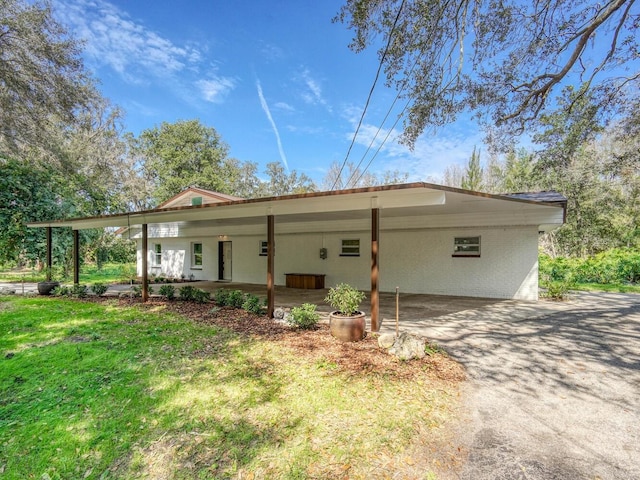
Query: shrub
pixel 137 290
pixel 99 289
pixel 304 316
pixel 187 293
pixel 79 291
pixel 61 291
pixel 221 297
pixel 556 290
pixel 168 291
pixel 235 299
pixel 201 296
pixel 345 299
pixel 252 304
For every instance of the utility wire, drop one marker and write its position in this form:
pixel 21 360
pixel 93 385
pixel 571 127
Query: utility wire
pixel 355 171
pixel 375 81
pixel 383 142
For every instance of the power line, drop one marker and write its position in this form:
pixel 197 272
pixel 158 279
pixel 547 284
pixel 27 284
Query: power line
pixel 383 142
pixel 375 81
pixel 355 171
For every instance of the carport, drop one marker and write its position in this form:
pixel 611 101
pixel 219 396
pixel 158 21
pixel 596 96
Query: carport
pixel 401 210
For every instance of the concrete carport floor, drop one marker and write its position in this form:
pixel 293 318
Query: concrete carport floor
pixel 414 308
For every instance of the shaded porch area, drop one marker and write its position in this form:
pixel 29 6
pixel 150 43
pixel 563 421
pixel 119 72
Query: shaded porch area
pixel 413 307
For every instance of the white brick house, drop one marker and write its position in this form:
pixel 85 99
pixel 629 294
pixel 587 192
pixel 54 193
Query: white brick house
pixel 419 227
pixel 421 237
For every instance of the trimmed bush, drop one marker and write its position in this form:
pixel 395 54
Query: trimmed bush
pixel 99 289
pixel 556 290
pixel 252 304
pixel 61 291
pixel 201 296
pixel 137 290
pixel 304 316
pixel 221 297
pixel 168 291
pixel 79 291
pixel 235 299
pixel 187 293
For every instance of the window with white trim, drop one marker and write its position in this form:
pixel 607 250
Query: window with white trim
pixel 157 254
pixel 196 256
pixel 466 247
pixel 350 247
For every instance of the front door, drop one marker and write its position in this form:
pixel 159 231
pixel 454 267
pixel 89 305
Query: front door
pixel 224 261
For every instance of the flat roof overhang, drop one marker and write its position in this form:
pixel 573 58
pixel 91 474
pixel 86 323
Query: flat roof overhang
pixel 406 200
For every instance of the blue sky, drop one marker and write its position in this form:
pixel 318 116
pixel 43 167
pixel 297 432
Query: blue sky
pixel 275 78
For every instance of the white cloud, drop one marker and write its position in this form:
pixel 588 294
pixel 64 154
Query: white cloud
pixel 312 94
pixel 431 154
pixel 267 112
pixel 214 89
pixel 114 40
pixel 284 107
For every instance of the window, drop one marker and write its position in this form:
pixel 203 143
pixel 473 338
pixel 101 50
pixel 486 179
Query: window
pixel 466 247
pixel 196 201
pixel 196 255
pixel 263 248
pixel 157 254
pixel 350 248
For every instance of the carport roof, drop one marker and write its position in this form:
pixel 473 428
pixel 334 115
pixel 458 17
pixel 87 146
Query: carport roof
pixel 393 201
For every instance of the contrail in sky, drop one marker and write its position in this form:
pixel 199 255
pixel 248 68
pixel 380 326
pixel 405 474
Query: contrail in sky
pixel 267 112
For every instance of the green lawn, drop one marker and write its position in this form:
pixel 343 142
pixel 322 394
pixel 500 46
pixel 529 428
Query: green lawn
pixel 100 391
pixel 606 287
pixel 89 274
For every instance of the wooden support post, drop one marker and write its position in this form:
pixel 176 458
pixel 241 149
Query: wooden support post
pixel 76 257
pixel 375 293
pixel 145 261
pixel 270 265
pixel 49 252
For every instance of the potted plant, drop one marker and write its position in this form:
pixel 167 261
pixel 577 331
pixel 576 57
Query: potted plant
pixel 347 323
pixel 46 287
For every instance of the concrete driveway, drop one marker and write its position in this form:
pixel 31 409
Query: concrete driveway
pixel 554 390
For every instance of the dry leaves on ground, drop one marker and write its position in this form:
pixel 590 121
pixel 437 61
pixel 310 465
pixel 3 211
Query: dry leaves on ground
pixel 317 345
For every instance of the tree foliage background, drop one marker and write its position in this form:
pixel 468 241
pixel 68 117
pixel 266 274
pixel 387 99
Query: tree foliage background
pixel 504 61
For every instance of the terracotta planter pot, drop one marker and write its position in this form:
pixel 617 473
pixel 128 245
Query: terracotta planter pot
pixel 45 288
pixel 347 329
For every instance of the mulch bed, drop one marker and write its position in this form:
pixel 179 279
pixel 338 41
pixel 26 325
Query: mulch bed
pixel 357 358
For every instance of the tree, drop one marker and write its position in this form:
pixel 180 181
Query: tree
pixel 184 154
pixel 42 77
pixel 473 173
pixel 29 194
pixel 281 183
pixel 501 60
pixel 453 176
pixel 351 176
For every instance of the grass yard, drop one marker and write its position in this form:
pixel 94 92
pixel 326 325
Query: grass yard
pixel 112 389
pixel 109 273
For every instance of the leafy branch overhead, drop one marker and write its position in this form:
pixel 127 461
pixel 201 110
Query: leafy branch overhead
pixel 501 60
